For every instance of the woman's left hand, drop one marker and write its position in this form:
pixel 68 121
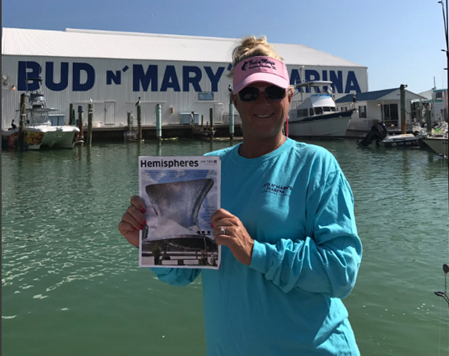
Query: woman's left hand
pixel 235 235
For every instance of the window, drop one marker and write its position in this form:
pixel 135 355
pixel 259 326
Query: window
pixel 318 111
pixel 302 112
pixel 362 112
pixel 439 95
pixel 311 111
pixel 390 114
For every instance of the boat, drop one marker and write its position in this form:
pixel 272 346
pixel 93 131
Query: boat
pixel 379 133
pixel 438 144
pixel 317 115
pixel 38 131
pixel 402 140
pixel 437 140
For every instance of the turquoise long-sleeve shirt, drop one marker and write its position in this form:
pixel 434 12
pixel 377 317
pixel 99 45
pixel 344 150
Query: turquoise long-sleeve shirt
pixel 298 207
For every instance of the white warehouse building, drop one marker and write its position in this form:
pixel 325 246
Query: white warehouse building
pixel 114 69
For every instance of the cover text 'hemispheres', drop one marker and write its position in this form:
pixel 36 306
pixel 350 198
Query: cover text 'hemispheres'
pixel 168 164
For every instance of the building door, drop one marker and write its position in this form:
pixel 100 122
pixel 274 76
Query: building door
pixel 109 113
pixel 98 113
pixel 390 114
pixel 218 113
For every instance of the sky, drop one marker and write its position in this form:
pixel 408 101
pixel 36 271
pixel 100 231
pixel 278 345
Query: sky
pixel 399 41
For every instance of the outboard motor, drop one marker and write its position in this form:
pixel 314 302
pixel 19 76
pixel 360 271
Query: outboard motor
pixel 378 132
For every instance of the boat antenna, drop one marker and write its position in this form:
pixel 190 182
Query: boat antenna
pixel 444 294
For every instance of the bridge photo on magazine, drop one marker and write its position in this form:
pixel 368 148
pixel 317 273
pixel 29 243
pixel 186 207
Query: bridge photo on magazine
pixel 180 195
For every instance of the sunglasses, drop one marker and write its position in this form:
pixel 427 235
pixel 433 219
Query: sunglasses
pixel 272 92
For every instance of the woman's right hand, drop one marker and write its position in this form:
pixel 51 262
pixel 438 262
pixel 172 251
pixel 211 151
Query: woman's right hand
pixel 133 221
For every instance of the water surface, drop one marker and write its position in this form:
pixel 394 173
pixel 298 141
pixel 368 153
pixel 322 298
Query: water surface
pixel 71 285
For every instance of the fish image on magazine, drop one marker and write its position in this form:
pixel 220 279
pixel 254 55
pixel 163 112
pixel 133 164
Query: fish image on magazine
pixel 180 195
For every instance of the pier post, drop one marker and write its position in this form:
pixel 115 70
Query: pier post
pixel 90 115
pixel 159 122
pixel 70 114
pixel 428 120
pixel 80 123
pixel 211 117
pixel 139 122
pixel 128 114
pixel 23 116
pixel 231 120
pixel 403 117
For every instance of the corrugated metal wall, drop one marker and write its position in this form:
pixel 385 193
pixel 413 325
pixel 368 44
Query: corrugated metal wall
pixel 115 89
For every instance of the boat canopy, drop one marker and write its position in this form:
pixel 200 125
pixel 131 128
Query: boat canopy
pixel 317 100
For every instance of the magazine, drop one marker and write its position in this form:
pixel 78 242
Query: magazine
pixel 180 194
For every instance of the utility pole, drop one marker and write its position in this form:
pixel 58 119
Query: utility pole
pixel 445 21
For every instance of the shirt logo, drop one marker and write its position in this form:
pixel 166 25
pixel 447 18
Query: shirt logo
pixel 277 189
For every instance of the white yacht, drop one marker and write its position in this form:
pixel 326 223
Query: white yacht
pixel 317 115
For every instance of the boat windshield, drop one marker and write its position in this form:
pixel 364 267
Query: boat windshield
pixel 318 110
pixel 39 117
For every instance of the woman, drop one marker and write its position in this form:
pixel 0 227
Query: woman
pixel 290 244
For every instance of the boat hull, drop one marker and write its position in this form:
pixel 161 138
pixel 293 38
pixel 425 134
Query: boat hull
pixel 438 144
pixel 404 140
pixel 328 125
pixel 41 136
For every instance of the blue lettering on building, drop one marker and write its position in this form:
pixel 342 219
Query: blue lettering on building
pixel 336 77
pixel 76 82
pixel 143 79
pixel 337 81
pixel 351 83
pixel 113 77
pixel 146 78
pixel 170 79
pixel 27 70
pixel 50 76
pixel 214 78
pixel 193 79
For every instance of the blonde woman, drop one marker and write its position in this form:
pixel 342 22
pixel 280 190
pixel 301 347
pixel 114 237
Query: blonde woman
pixel 291 250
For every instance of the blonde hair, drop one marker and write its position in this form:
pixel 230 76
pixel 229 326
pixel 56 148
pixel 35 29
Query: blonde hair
pixel 251 47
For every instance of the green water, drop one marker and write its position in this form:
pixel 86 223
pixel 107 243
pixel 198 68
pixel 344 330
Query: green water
pixel 71 285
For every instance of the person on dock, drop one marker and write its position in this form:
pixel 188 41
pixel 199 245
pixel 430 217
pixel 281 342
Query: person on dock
pixel 291 250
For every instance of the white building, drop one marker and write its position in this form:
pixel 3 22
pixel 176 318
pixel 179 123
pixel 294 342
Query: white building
pixel 377 106
pixel 114 69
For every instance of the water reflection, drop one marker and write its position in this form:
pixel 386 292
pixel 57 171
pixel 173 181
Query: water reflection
pixel 61 246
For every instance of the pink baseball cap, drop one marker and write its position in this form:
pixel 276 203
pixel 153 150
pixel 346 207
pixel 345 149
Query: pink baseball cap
pixel 260 69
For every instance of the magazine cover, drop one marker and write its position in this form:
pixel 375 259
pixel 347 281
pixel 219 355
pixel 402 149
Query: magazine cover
pixel 180 195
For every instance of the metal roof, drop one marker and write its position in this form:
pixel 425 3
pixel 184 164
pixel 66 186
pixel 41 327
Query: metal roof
pixel 77 43
pixel 368 96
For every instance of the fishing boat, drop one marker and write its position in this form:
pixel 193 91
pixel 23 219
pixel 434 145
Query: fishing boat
pixel 317 115
pixel 38 131
pixel 438 144
pixel 402 140
pixel 437 140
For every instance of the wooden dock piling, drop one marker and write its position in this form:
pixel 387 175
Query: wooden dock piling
pixel 90 115
pixel 211 117
pixel 23 117
pixel 80 123
pixel 403 117
pixel 69 122
pixel 139 122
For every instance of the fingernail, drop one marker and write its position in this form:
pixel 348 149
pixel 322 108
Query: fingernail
pixel 144 223
pixel 140 227
pixel 134 229
pixel 143 210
